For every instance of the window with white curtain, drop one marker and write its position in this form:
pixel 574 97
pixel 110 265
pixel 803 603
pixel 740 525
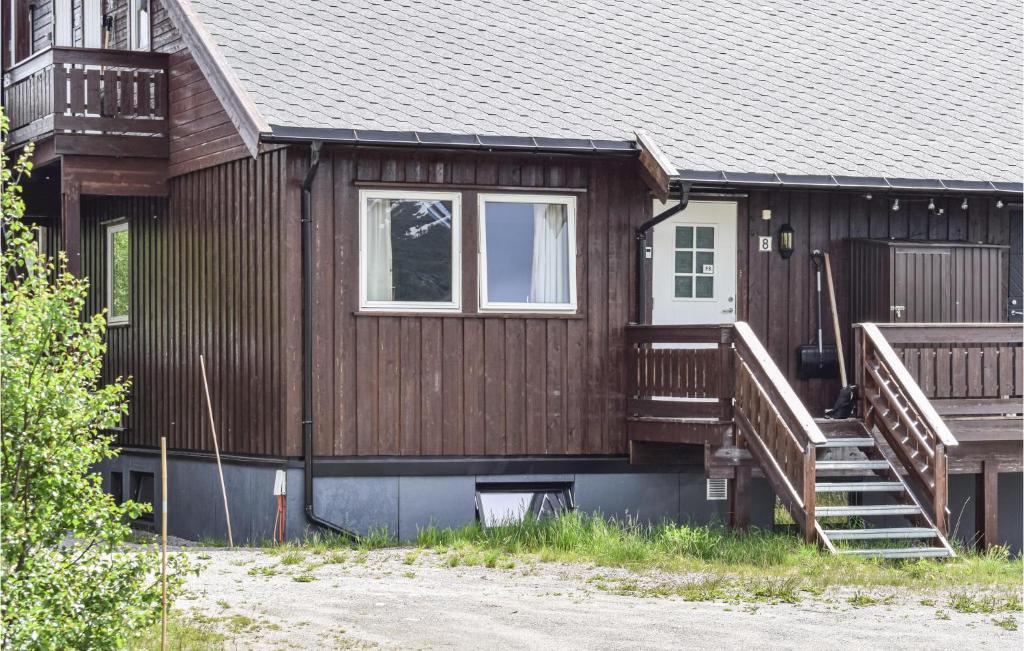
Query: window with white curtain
pixel 527 253
pixel 140 25
pixel 409 247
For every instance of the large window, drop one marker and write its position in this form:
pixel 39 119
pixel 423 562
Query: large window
pixel 527 253
pixel 409 250
pixel 118 273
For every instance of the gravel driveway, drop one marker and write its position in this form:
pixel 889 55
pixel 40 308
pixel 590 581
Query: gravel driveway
pixel 405 599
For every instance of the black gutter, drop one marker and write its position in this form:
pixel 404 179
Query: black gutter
pixel 307 345
pixel 641 249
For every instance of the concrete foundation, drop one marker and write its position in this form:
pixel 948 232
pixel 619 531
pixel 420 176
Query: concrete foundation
pixel 404 505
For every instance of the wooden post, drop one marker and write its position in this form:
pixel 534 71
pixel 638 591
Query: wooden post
pixel 941 492
pixel 810 477
pixel 163 536
pixel 986 505
pixel 739 516
pixel 216 450
pixel 71 225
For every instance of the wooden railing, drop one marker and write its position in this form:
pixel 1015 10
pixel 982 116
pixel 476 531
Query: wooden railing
pixel 965 370
pixel 679 362
pixel 892 401
pixel 774 425
pixel 79 90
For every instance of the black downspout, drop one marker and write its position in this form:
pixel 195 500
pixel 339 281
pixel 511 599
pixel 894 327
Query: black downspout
pixel 307 344
pixel 641 250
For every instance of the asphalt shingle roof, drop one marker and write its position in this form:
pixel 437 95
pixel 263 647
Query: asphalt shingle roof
pixel 900 88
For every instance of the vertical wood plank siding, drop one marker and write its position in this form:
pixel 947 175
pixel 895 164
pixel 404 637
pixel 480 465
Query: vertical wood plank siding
pixel 472 384
pixel 214 271
pixel 776 296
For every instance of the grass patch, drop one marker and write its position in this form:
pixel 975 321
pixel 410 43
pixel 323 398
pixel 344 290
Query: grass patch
pixel 774 565
pixel 1006 623
pixel 304 578
pixel 860 600
pixel 292 558
pixel 182 633
pixel 985 604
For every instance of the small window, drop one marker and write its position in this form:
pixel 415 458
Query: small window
pixel 139 26
pixel 503 504
pixel 409 250
pixel 527 253
pixel 142 492
pixel 117 487
pixel 695 262
pixel 118 273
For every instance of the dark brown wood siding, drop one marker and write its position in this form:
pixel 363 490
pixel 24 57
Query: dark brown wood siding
pixel 214 272
pixel 472 384
pixel 777 296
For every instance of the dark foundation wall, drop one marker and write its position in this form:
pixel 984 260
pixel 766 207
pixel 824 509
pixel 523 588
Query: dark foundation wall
pixel 215 271
pixel 472 384
pixel 777 297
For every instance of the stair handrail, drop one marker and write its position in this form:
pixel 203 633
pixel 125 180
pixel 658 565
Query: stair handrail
pixel 764 404
pixel 924 460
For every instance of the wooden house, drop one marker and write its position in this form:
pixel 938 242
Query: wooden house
pixel 451 261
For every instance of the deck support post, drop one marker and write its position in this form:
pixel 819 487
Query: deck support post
pixel 739 501
pixel 71 225
pixel 986 505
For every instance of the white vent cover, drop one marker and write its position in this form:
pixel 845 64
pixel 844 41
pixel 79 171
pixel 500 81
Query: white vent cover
pixel 718 489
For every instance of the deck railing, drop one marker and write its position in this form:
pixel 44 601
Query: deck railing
pixel 774 425
pixel 892 401
pixel 88 91
pixel 666 363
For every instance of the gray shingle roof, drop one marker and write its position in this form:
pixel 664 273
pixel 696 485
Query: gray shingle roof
pixel 899 88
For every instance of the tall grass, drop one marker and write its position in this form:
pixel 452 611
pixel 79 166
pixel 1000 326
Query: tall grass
pixel 713 549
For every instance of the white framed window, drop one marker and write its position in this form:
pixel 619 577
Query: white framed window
pixel 139 25
pixel 118 273
pixel 409 250
pixel 694 262
pixel 527 253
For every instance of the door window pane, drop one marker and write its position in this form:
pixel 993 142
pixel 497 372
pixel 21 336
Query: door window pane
pixel 684 262
pixel 408 245
pixel 705 258
pixel 705 237
pixel 684 237
pixel 528 253
pixel 705 286
pixel 684 286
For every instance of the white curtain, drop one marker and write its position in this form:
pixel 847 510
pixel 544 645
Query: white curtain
pixel 379 286
pixel 550 279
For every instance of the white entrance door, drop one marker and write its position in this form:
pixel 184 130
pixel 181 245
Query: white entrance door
pixel 694 265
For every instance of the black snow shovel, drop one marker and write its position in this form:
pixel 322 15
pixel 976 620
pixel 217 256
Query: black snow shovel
pixel 816 360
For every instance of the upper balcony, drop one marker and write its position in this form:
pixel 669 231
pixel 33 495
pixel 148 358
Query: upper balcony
pixel 90 101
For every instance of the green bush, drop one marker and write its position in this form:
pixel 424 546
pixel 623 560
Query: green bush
pixel 68 579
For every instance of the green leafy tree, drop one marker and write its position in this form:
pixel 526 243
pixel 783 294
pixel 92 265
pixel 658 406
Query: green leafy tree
pixel 69 579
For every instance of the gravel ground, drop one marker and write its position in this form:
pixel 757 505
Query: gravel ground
pixel 409 600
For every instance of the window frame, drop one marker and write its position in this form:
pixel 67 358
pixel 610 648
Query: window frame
pixel 693 298
pixel 133 27
pixel 111 229
pixel 452 306
pixel 486 305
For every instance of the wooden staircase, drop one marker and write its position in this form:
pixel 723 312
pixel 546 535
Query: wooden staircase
pixel 850 463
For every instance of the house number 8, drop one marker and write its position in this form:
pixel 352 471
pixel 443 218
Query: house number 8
pixel 764 243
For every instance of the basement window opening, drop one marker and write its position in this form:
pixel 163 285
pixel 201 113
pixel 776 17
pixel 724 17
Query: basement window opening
pixel 142 492
pixel 504 504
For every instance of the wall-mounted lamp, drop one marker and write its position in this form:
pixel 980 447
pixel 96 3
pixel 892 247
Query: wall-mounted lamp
pixel 931 205
pixel 895 205
pixel 1000 204
pixel 963 206
pixel 786 241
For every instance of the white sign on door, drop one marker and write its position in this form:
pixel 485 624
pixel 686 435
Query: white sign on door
pixel 764 243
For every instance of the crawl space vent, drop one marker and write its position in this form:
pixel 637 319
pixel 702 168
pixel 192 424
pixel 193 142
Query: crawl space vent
pixel 718 489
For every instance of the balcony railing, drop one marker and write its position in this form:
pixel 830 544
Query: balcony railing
pixel 116 99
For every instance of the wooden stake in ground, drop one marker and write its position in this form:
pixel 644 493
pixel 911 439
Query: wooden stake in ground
pixel 216 450
pixel 163 535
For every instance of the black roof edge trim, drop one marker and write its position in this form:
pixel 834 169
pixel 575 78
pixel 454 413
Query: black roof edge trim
pixel 811 181
pixel 279 134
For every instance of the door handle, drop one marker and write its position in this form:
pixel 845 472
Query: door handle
pixel 728 310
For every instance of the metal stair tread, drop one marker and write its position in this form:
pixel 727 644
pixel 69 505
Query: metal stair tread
pixel 858 487
pixel 866 464
pixel 882 509
pixel 848 442
pixel 881 533
pixel 898 552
